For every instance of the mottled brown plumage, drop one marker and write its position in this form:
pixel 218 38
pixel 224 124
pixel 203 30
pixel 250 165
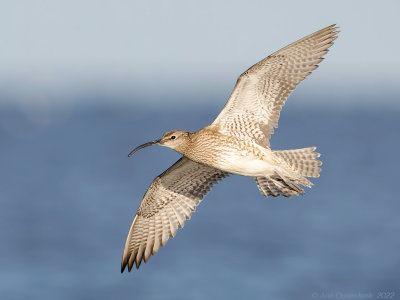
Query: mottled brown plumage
pixel 237 142
pixel 170 200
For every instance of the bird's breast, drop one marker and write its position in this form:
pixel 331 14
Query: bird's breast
pixel 232 155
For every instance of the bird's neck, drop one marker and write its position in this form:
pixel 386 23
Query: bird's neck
pixel 201 145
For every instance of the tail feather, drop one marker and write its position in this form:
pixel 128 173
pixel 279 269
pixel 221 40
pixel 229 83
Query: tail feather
pixel 303 160
pixel 276 186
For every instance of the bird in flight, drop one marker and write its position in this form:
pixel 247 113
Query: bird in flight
pixel 237 142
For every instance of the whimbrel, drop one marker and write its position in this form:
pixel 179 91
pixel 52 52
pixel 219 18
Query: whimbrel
pixel 237 142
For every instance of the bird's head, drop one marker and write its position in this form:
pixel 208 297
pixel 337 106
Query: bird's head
pixel 175 139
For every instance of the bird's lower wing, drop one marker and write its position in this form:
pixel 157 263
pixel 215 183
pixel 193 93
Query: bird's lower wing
pixel 167 204
pixel 253 109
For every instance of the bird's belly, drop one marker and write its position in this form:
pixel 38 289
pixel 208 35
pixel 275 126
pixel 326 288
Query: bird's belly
pixel 245 165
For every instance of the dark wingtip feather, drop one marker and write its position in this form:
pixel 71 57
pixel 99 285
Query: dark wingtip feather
pixel 138 264
pixel 122 267
pixel 130 267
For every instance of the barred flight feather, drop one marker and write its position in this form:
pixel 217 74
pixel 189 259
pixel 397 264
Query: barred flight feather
pixel 253 109
pixel 170 200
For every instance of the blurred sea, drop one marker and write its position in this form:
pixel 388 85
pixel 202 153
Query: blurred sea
pixel 69 193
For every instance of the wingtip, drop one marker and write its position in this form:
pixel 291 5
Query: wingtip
pixel 124 264
pixel 130 267
pixel 138 264
pixel 335 29
pixel 332 28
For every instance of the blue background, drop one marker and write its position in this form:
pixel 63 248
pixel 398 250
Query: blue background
pixel 69 194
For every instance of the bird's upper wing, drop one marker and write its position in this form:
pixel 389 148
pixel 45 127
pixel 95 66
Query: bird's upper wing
pixel 169 201
pixel 253 108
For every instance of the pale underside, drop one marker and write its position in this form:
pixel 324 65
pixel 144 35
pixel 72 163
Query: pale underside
pixel 251 113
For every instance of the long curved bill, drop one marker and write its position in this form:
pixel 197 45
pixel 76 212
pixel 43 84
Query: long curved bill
pixel 143 146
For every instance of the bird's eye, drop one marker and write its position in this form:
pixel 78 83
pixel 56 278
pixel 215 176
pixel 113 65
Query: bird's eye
pixel 173 137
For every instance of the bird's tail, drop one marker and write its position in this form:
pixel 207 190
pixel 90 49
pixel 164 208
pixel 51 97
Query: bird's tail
pixel 303 160
pixel 274 186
